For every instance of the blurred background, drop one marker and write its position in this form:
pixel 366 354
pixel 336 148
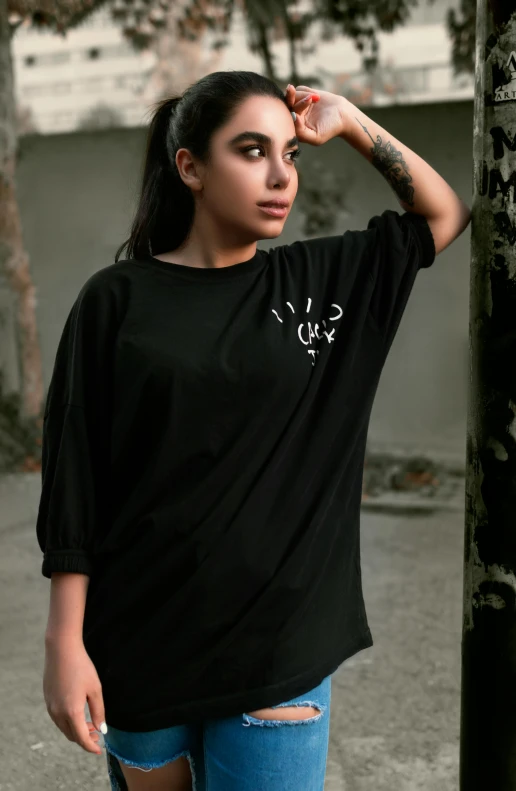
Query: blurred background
pixel 123 54
pixel 77 79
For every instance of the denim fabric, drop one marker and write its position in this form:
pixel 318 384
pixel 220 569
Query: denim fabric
pixel 240 753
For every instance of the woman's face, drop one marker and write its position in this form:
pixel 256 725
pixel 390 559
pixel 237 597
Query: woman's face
pixel 247 169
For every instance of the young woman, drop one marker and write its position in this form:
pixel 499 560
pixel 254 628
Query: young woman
pixel 204 440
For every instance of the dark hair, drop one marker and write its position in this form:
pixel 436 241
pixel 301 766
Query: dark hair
pixel 166 206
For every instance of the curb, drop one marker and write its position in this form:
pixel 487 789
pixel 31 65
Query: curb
pixel 399 503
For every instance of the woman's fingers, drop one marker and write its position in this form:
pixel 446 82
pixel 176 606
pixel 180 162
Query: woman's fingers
pixel 293 97
pixel 65 729
pixel 76 729
pixel 94 734
pixel 82 734
pixel 96 706
pixel 303 103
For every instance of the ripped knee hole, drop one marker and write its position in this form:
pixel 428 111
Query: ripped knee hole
pixel 285 713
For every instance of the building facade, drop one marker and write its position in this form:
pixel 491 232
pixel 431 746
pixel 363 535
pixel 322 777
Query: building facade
pixel 63 80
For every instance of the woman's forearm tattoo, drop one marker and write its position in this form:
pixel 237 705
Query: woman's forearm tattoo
pixel 391 164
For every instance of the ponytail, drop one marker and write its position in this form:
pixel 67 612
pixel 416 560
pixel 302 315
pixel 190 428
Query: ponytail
pixel 166 207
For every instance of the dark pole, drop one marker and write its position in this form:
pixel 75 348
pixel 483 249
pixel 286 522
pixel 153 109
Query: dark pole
pixel 488 694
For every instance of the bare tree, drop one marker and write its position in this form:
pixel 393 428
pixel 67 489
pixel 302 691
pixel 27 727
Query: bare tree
pixel 14 261
pixel 25 121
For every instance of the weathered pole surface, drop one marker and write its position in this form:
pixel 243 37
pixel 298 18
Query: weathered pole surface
pixel 488 695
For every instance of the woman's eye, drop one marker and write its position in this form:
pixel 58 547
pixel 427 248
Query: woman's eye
pixel 292 154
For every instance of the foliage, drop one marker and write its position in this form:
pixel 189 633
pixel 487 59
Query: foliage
pixel 266 21
pixel 462 31
pixel 57 15
pixel 20 436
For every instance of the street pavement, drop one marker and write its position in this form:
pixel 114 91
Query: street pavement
pixel 395 709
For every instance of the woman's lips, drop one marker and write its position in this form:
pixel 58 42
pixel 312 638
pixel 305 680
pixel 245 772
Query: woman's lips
pixel 275 211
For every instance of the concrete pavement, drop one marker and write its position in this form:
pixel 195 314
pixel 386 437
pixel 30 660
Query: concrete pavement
pixel 395 706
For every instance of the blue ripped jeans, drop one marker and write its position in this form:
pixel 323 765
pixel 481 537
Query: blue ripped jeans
pixel 239 753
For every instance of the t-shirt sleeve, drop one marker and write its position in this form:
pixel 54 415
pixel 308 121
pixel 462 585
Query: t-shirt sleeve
pixel 366 274
pixel 399 246
pixel 76 434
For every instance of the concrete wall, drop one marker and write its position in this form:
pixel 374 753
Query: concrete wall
pixel 77 193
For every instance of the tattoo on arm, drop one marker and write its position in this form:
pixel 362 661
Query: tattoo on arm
pixel 391 164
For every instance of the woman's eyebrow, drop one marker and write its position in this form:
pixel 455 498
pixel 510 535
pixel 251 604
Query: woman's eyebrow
pixel 260 138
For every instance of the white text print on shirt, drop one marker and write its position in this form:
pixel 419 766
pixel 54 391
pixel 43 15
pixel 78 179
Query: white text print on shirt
pixel 306 333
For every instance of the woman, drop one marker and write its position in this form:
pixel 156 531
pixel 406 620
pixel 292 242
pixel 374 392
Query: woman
pixel 204 440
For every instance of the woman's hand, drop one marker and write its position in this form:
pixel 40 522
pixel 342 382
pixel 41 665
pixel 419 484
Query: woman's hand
pixel 69 680
pixel 320 115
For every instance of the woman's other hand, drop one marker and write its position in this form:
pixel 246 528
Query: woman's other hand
pixel 69 680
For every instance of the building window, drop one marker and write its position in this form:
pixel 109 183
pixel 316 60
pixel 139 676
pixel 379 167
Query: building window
pixel 60 87
pixel 65 117
pixel 52 58
pixel 131 82
pixel 123 49
pixel 33 90
pixel 55 88
pixel 92 84
pixel 412 79
pixel 119 50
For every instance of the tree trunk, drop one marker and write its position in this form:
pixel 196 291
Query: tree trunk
pixel 264 50
pixel 294 78
pixel 488 725
pixel 14 262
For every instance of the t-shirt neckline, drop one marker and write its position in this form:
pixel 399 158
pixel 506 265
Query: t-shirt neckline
pixel 204 274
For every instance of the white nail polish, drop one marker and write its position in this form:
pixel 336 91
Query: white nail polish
pixel 103 727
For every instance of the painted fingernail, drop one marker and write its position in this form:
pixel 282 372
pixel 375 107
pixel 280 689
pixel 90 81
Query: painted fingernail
pixel 315 98
pixel 103 727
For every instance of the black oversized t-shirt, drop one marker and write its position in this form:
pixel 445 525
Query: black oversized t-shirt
pixel 203 449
